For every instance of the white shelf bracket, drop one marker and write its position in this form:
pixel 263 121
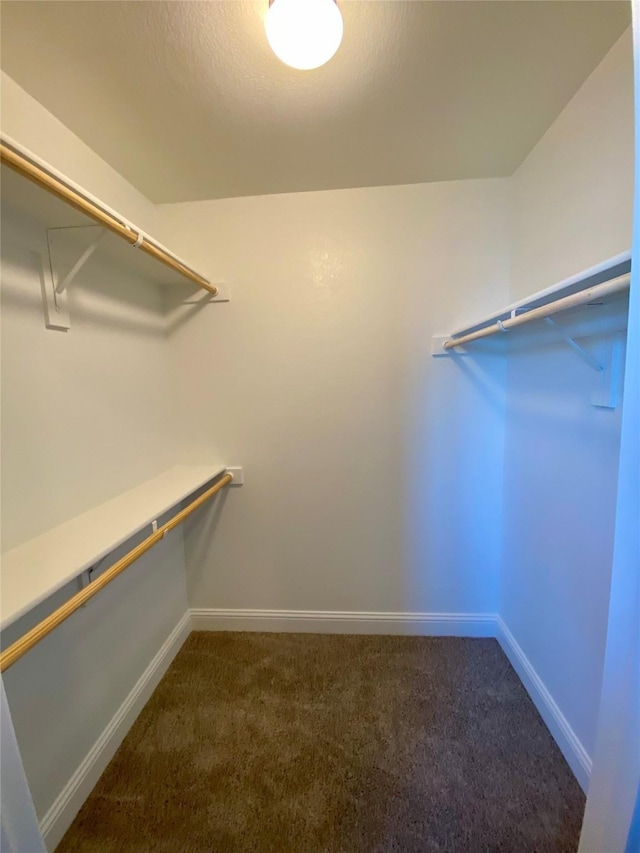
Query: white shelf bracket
pixel 54 287
pixel 84 257
pixel 575 346
pixel 606 395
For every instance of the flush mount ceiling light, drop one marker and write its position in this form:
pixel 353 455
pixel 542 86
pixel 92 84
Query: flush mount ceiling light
pixel 304 33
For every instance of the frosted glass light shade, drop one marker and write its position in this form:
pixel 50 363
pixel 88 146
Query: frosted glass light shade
pixel 304 33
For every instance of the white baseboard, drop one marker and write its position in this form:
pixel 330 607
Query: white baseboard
pixel 66 806
pixel 568 742
pixel 344 622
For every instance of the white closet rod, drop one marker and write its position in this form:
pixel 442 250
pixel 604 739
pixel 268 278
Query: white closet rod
pixel 591 294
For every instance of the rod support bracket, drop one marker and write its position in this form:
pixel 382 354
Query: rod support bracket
pixel 438 350
pixel 86 578
pixel 154 527
pixel 238 476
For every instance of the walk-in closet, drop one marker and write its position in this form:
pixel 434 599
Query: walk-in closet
pixel 319 428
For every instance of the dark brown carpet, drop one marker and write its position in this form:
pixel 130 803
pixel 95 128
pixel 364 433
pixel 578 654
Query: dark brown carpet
pixel 309 743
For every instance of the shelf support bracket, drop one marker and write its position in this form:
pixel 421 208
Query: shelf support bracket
pixel 86 578
pixel 606 396
pixel 54 288
pixel 84 257
pixel 575 346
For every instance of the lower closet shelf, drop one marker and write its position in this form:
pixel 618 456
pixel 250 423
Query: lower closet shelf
pixel 38 568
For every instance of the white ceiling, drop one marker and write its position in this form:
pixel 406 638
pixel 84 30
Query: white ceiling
pixel 186 100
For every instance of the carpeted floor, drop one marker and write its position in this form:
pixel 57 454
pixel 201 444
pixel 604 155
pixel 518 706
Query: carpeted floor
pixel 317 744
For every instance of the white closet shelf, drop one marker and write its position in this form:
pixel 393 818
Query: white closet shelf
pixel 40 193
pixel 605 282
pixel 38 568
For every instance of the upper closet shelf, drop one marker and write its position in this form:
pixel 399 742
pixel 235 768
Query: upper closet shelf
pixel 596 286
pixel 38 568
pixel 38 192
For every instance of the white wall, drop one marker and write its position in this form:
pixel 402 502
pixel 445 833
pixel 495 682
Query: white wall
pixel 86 414
pixel 29 123
pixel 62 390
pixel 89 407
pixel 572 207
pixel 573 195
pixel 373 473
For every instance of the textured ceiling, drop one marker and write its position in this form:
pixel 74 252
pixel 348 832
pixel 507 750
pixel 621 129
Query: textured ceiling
pixel 186 100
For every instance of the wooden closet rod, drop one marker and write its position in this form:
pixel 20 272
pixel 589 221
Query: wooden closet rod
pixel 598 291
pixel 53 184
pixel 16 650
